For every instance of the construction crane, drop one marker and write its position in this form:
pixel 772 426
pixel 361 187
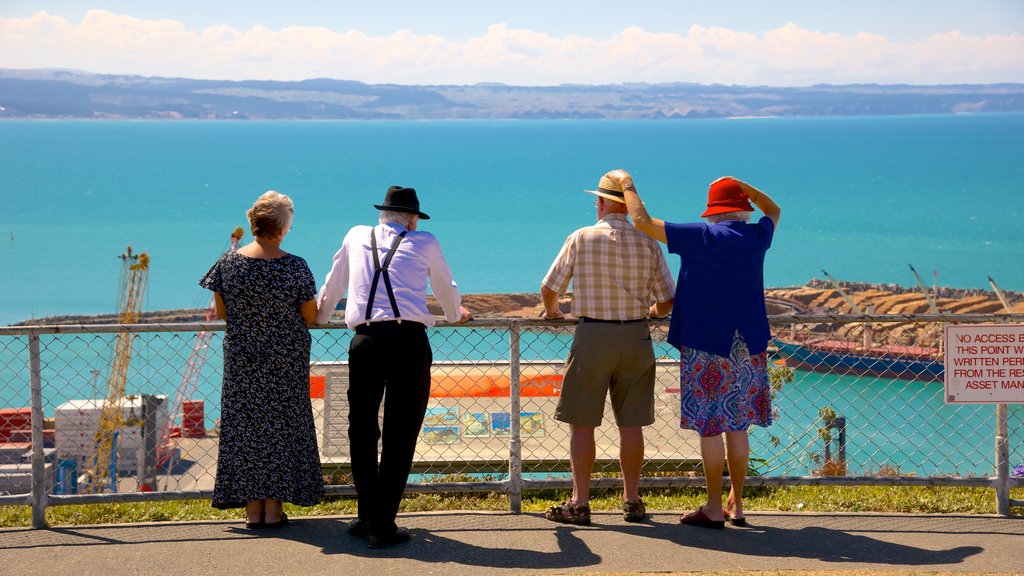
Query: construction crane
pixel 999 294
pixel 168 442
pixel 134 277
pixel 924 290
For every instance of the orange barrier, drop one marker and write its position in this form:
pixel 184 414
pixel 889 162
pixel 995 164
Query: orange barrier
pixel 316 386
pixel 486 386
pixel 472 385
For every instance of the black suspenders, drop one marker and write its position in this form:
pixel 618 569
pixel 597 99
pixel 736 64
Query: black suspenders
pixel 382 270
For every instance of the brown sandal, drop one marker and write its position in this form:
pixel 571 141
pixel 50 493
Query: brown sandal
pixel 567 513
pixel 633 511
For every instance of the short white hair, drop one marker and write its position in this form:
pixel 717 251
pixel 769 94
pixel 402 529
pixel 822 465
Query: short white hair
pixel 270 215
pixel 741 215
pixel 393 217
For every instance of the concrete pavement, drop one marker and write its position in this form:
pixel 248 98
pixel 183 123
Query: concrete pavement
pixel 490 543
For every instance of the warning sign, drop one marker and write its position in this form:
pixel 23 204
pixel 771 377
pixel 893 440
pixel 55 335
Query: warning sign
pixel 984 363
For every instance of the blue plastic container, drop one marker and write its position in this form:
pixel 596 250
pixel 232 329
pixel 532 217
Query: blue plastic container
pixel 67 477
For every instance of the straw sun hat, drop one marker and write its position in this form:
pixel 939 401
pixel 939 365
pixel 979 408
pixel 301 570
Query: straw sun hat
pixel 609 189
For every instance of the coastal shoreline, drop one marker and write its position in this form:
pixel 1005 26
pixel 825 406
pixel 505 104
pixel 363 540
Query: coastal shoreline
pixel 814 297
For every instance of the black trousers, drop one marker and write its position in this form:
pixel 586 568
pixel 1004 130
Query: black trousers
pixel 389 362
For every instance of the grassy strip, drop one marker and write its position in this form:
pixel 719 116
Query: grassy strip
pixel 896 499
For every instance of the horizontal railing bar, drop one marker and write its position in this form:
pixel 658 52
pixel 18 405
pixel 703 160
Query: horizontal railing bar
pixel 699 481
pixel 332 490
pixel 530 465
pixel 440 487
pixel 219 326
pixel 16 500
pixel 70 499
pixel 776 320
pixel 977 482
pixel 546 484
pixel 111 328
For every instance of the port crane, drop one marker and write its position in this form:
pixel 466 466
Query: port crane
pixel 846 297
pixel 168 442
pixel 999 295
pixel 868 336
pixel 134 277
pixel 932 307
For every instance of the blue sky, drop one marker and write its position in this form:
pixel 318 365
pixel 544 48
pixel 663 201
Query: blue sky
pixel 526 42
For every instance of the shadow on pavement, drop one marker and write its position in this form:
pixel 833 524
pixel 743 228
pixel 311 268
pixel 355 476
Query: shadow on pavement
pixel 114 535
pixel 527 541
pixel 827 544
pixel 824 543
pixel 428 545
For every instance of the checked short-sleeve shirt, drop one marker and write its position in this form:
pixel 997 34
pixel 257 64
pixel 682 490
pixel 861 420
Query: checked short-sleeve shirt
pixel 617 272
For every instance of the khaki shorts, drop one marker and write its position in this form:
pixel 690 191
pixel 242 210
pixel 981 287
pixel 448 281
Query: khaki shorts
pixel 609 359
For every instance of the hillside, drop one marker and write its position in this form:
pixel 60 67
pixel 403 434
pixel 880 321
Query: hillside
pixel 74 94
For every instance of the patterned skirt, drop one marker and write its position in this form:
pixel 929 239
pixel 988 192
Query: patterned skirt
pixel 720 394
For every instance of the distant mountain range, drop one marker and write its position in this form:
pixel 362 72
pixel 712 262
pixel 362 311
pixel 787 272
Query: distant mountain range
pixel 75 94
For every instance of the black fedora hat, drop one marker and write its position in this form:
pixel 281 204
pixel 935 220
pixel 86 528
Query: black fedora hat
pixel 401 199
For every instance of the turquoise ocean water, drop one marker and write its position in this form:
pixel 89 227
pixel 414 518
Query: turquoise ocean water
pixel 861 197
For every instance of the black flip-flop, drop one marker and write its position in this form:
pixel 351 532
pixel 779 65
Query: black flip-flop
pixel 699 518
pixel 279 524
pixel 741 521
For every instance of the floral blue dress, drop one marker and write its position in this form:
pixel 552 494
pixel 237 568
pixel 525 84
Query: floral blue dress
pixel 267 437
pixel 719 394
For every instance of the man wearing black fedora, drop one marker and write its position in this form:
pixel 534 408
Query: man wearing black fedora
pixel 384 271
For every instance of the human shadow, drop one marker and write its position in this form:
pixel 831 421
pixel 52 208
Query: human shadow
pixel 811 542
pixel 110 535
pixel 432 545
pixel 527 542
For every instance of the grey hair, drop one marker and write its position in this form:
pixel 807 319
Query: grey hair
pixel 270 214
pixel 741 215
pixel 393 217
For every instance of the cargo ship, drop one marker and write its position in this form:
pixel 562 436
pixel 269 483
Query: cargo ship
pixel 850 358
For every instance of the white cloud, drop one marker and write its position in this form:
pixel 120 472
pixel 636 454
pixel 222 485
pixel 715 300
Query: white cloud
pixel 790 55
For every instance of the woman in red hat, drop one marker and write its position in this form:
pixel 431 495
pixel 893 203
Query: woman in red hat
pixel 721 329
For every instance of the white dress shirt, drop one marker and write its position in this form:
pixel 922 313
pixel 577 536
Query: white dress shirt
pixel 418 258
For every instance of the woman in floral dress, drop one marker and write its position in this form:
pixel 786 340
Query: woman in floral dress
pixel 268 452
pixel 720 326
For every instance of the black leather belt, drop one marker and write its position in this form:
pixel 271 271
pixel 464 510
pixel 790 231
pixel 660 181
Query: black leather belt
pixel 588 320
pixel 382 324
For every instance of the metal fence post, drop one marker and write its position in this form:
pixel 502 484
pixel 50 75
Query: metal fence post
pixel 38 458
pixel 515 449
pixel 1002 461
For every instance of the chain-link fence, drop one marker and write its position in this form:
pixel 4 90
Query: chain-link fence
pixel 856 400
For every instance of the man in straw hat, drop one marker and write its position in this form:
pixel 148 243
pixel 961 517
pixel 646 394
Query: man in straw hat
pixel 619 278
pixel 384 270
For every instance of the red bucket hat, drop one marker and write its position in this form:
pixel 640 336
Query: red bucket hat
pixel 726 195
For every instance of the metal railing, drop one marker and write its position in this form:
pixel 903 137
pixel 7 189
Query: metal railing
pixel 856 400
